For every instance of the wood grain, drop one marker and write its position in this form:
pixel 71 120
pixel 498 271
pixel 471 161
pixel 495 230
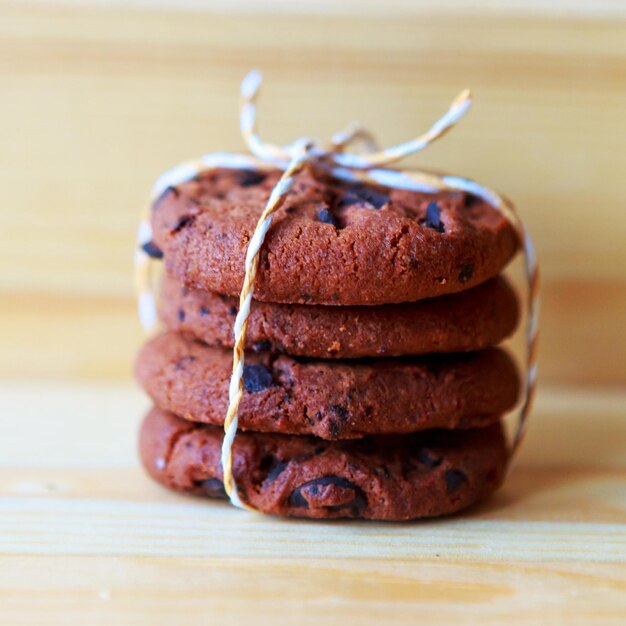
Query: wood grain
pixel 85 536
pixel 97 101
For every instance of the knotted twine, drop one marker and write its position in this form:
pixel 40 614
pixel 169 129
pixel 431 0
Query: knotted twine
pixel 331 159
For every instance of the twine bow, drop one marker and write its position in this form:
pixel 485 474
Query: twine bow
pixel 367 167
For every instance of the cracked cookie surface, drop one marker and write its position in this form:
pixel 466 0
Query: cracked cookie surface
pixel 331 243
pixel 386 478
pixel 330 399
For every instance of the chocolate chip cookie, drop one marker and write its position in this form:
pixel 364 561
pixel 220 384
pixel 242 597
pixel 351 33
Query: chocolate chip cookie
pixel 330 399
pixel 386 477
pixel 331 242
pixel 471 320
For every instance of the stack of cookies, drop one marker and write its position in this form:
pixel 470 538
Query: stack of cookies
pixel 372 384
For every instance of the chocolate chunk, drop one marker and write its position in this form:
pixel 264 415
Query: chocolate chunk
pixel 427 458
pixel 275 472
pixel 256 378
pixel 340 411
pixel 331 492
pixel 471 200
pixel 213 487
pixel 454 480
pixel 466 273
pixel 204 311
pixel 433 217
pixel 152 250
pixel 262 346
pixel 324 215
pixel 362 194
pixel 267 462
pixel 232 310
pixel 249 178
pixel 334 429
pixel 185 220
pixel 181 315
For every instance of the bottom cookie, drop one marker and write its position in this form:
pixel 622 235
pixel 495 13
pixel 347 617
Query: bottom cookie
pixel 389 477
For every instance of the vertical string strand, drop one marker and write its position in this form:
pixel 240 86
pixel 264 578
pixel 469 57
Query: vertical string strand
pixel 146 303
pixel 235 390
pixel 532 338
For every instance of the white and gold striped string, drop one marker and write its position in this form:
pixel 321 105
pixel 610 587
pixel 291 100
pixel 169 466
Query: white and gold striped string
pixel 367 167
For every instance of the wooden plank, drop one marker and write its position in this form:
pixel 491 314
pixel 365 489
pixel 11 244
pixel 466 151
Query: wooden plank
pixel 97 101
pixel 331 591
pixel 549 548
pixel 371 8
pixel 93 454
pixel 138 99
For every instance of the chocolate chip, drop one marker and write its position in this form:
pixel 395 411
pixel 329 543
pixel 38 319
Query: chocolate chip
pixel 152 250
pixel 275 472
pixel 325 216
pixel 183 221
pixel 267 462
pixel 454 479
pixel 181 315
pixel 427 458
pixel 204 311
pixel 339 410
pixel 262 346
pixel 466 273
pixel 362 194
pixel 257 377
pixel 346 494
pixel 249 178
pixel 433 217
pixel 334 429
pixel 471 200
pixel 232 310
pixel 213 487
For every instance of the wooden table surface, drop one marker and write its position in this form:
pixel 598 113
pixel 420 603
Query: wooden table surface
pixel 87 538
pixel 97 99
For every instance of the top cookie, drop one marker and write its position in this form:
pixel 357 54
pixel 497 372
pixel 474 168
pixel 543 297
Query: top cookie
pixel 331 242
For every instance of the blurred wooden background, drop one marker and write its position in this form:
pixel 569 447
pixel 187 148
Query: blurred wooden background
pixel 98 97
pixel 96 101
